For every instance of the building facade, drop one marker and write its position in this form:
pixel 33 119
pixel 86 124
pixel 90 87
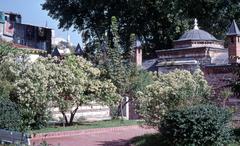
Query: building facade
pixel 197 49
pixel 33 36
pixel 12 30
pixel 7 23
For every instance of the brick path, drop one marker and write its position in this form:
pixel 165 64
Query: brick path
pixel 118 136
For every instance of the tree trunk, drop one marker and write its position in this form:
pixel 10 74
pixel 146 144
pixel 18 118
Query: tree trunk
pixel 65 118
pixel 72 115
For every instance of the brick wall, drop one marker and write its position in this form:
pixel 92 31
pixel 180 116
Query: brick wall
pixel 218 76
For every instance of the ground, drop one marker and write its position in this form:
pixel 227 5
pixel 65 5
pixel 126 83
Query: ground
pixel 117 136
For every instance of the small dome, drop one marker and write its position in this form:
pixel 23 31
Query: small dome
pixel 197 34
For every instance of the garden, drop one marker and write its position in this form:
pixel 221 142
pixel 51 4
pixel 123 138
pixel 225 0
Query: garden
pixel 178 104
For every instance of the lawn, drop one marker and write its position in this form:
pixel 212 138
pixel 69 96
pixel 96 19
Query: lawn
pixel 89 125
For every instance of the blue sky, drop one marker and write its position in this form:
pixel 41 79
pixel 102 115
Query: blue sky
pixel 32 13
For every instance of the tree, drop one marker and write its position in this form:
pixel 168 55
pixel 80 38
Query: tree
pixel 7 48
pixel 157 22
pixel 122 71
pixel 73 82
pixel 28 88
pixel 171 91
pixel 31 90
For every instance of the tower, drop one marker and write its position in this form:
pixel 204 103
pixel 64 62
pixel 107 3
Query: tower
pixel 233 37
pixel 138 53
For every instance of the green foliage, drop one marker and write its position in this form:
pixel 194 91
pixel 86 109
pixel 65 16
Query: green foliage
pixel 6 76
pixel 122 71
pixel 10 118
pixel 65 83
pixel 26 85
pixel 32 94
pixel 156 22
pixel 6 48
pixel 199 125
pixel 171 91
pixel 73 82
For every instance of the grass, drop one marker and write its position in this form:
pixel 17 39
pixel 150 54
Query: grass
pixel 89 125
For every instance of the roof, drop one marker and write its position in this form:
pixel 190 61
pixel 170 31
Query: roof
pixel 177 63
pixel 233 29
pixel 11 13
pixel 188 48
pixel 79 50
pixel 150 64
pixel 33 25
pixel 197 35
pixel 56 52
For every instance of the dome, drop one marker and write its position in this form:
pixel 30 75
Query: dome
pixel 197 34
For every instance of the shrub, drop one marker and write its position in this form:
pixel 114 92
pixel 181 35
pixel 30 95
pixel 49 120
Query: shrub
pixel 198 125
pixel 171 91
pixel 10 116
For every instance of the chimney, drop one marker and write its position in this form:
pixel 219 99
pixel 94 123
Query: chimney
pixel 233 36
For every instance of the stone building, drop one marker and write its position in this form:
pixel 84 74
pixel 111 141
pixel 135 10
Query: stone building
pixel 198 49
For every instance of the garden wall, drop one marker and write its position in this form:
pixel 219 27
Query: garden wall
pixel 91 112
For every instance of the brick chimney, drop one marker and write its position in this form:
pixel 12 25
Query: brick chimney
pixel 233 37
pixel 138 53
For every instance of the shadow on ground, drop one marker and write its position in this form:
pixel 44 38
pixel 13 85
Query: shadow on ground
pixel 120 142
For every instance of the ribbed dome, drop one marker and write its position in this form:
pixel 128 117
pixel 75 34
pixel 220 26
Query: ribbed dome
pixel 197 34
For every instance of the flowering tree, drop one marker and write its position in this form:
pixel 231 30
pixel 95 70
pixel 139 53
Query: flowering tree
pixel 73 82
pixel 171 91
pixel 28 84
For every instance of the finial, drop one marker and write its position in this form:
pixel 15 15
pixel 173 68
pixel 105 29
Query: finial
pixel 196 24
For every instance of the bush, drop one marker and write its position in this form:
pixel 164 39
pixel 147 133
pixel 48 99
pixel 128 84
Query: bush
pixel 198 125
pixel 171 91
pixel 10 116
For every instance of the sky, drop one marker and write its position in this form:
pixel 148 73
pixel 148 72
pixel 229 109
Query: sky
pixel 32 13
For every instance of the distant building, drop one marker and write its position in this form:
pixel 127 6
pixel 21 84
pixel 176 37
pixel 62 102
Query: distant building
pixel 198 49
pixel 58 40
pixel 7 23
pixel 33 36
pixel 12 30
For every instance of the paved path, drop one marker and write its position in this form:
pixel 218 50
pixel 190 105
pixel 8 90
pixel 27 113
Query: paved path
pixel 118 136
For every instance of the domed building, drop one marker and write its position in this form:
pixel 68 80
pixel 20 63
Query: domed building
pixel 195 48
pixel 198 49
